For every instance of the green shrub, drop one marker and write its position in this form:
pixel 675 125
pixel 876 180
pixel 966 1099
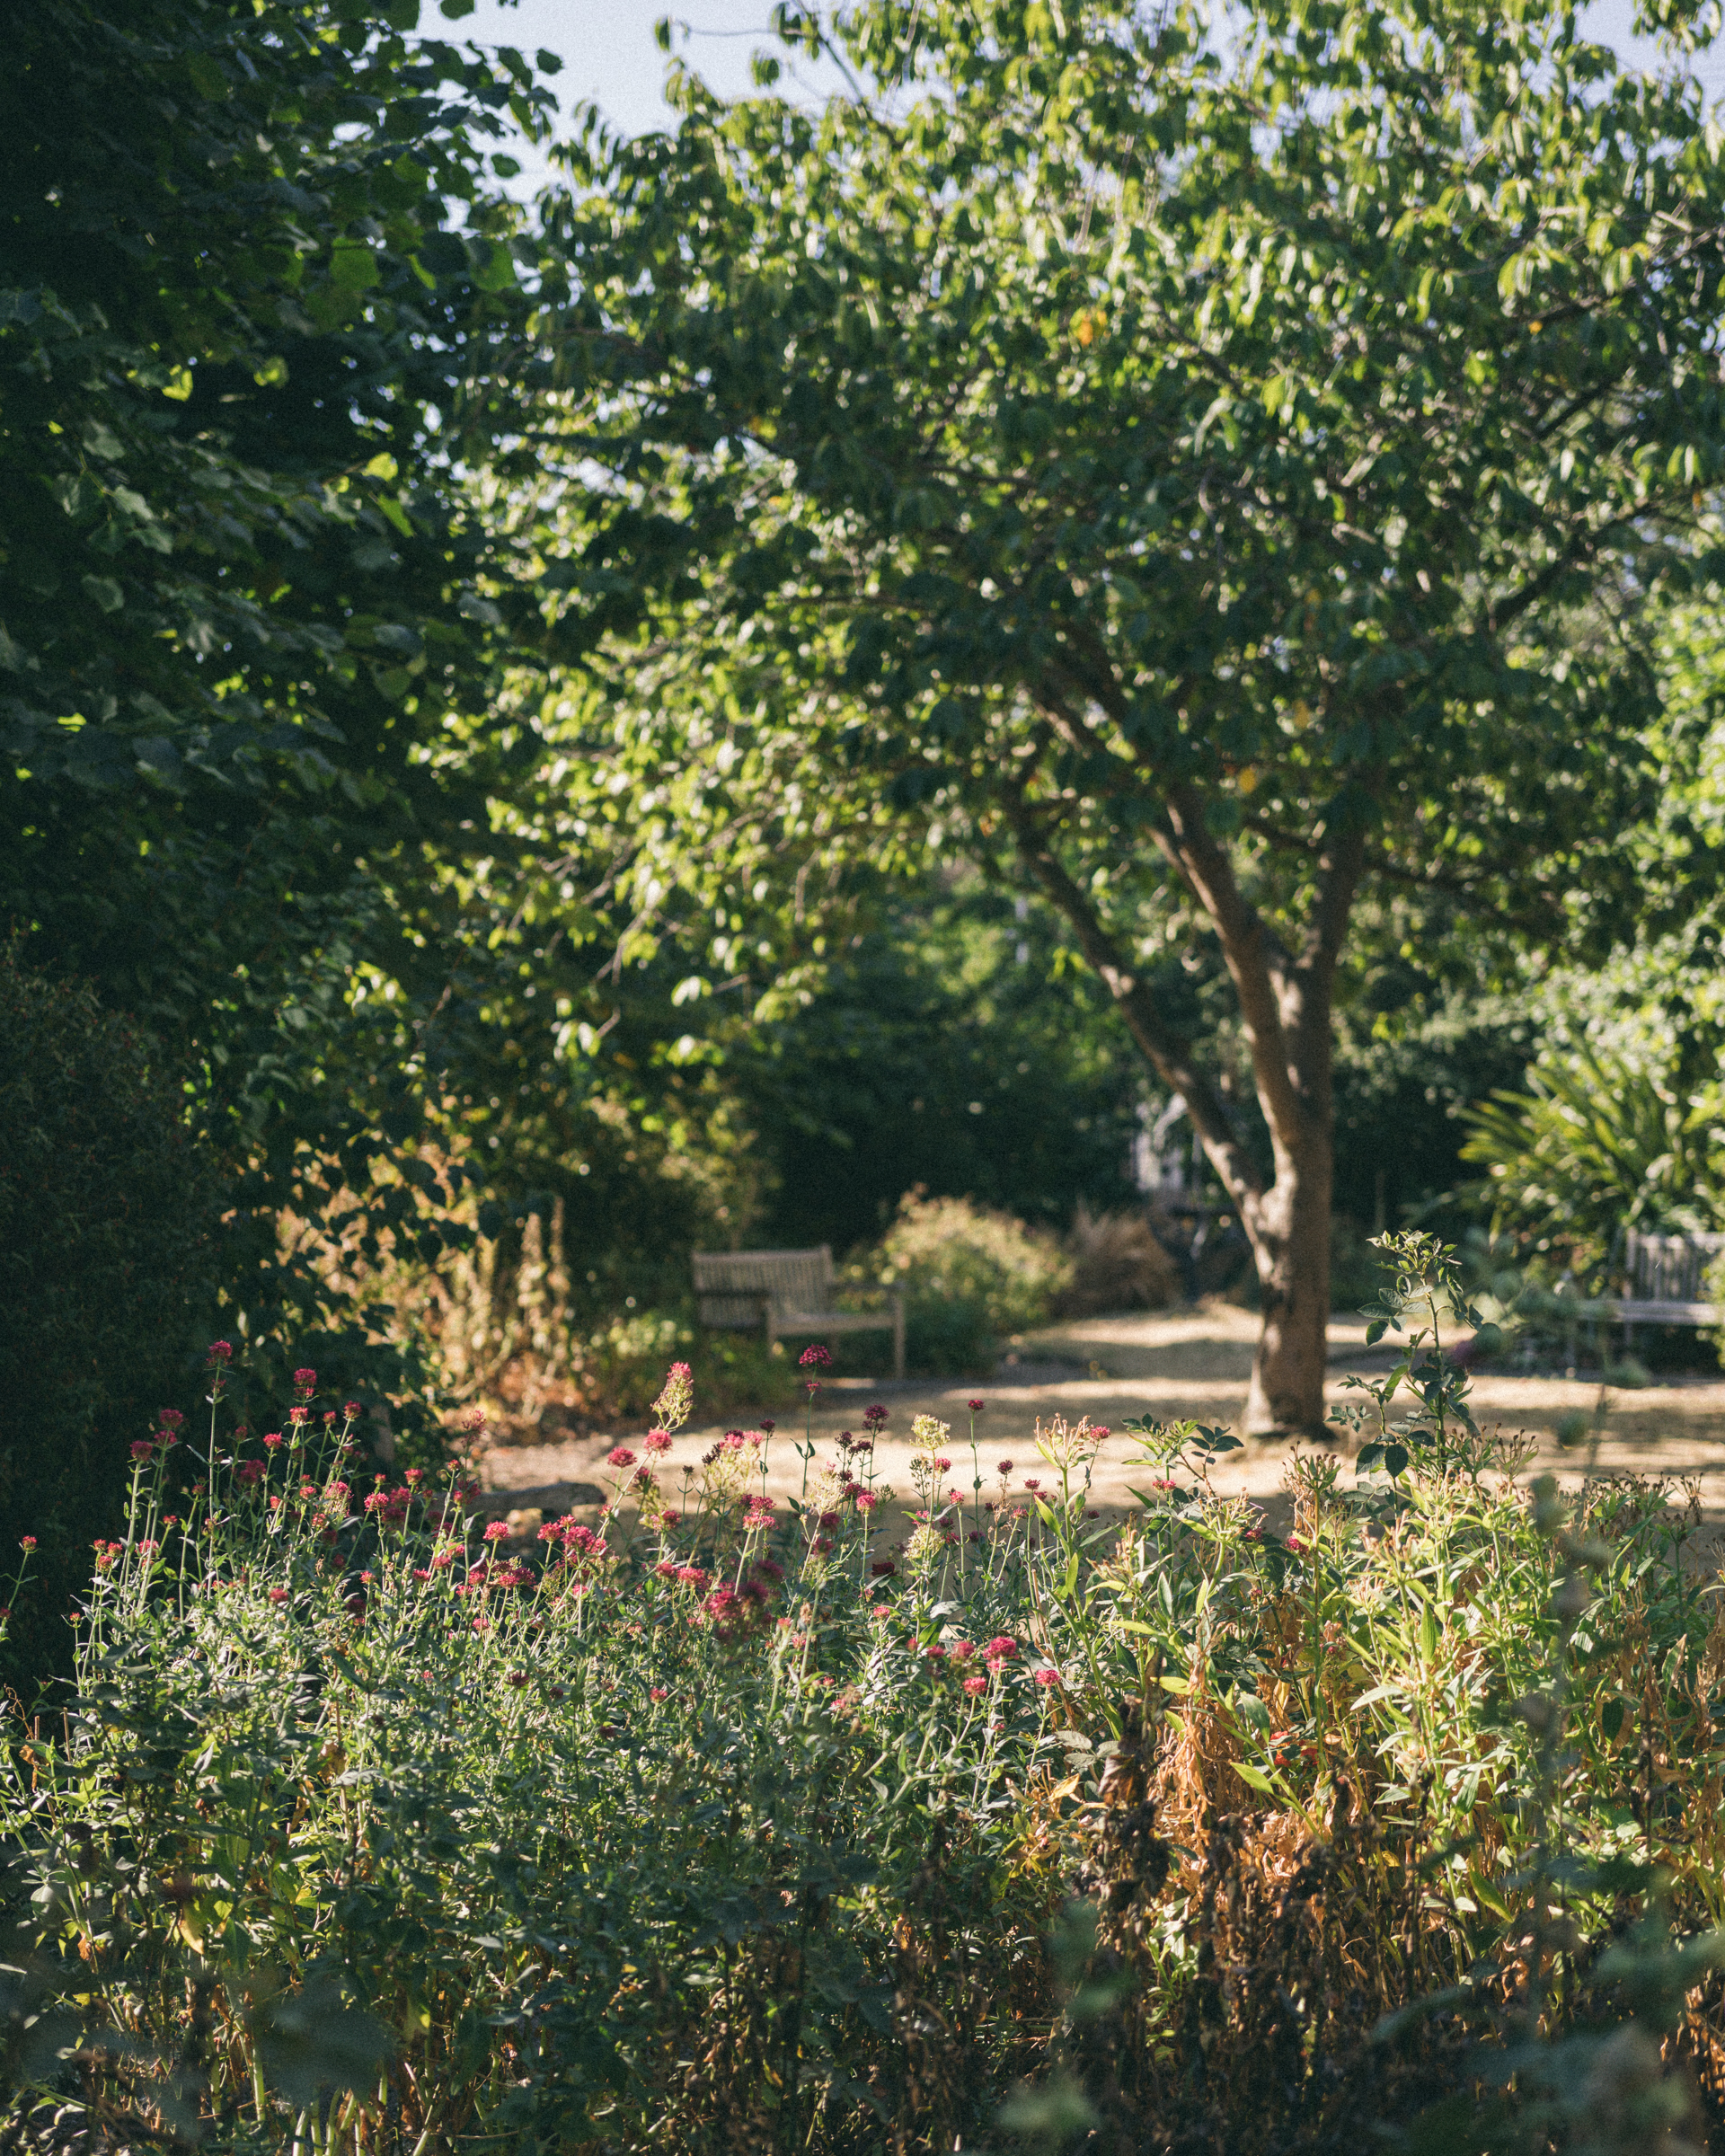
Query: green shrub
pixel 971 1277
pixel 106 1205
pixel 1595 1145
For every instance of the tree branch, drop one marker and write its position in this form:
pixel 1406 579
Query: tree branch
pixel 1168 1054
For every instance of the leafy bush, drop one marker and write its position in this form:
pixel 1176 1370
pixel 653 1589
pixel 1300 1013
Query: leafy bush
pixel 1594 1146
pixel 106 1206
pixel 971 1275
pixel 703 1828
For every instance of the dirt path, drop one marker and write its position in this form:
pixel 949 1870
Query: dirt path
pixel 1193 1365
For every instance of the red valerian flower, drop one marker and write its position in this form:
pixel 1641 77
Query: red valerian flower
pixel 936 1653
pixel 219 1351
pixel 169 1418
pixel 498 1531
pixel 620 1456
pixel 690 1576
pixel 1048 1678
pixel 883 1567
pixel 876 1415
pixel 142 1449
pixel 975 1406
pixel 517 1677
pixel 278 1594
pixel 767 1425
pixel 1003 1468
pixel 815 1358
pixel 249 1471
pixel 962 1650
pixel 1100 1431
pixel 351 1409
pixel 974 1685
pixel 657 1693
pixel 27 1541
pixel 272 1439
pixel 307 1378
pixel 656 1441
pixel 1000 1648
pixel 1031 1483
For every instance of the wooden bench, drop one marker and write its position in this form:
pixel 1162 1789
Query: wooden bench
pixel 1664 1278
pixel 787 1291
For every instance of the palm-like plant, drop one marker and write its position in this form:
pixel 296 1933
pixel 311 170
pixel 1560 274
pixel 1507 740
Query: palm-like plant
pixel 1595 1145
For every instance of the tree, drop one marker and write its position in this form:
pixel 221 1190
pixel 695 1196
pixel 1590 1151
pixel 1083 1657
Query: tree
pixel 1214 481
pixel 254 274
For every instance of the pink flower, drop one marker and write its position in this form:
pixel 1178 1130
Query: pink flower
pixel 1048 1678
pixel 962 1650
pixel 272 1439
pixel 517 1677
pixel 815 1358
pixel 883 1567
pixel 767 1425
pixel 1000 1648
pixel 936 1653
pixel 305 1378
pixel 249 1471
pixel 656 1441
pixel 27 1543
pixel 690 1576
pixel 1005 1468
pixel 351 1409
pixel 142 1449
pixel 498 1531
pixel 278 1593
pixel 657 1693
pixel 220 1351
pixel 875 1416
pixel 169 1418
pixel 976 1406
pixel 1100 1431
pixel 620 1456
pixel 1031 1482
pixel 864 1500
pixel 943 1467
pixel 974 1685
pixel 879 1609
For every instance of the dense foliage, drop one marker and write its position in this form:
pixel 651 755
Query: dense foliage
pixel 107 1214
pixel 702 1827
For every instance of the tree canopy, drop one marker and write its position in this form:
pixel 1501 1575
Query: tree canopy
pixel 1218 480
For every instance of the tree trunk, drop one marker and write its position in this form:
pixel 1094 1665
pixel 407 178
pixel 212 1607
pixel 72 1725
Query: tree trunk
pixel 1285 1001
pixel 1289 1228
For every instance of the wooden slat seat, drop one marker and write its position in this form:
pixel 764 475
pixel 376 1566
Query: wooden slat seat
pixel 788 1293
pixel 1664 1279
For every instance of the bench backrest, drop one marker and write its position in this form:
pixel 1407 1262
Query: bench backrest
pixel 1669 1268
pixel 730 1284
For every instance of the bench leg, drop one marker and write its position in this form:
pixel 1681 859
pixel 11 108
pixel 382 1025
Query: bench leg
pixel 898 1337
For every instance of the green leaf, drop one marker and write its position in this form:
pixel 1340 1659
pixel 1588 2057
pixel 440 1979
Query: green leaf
pixel 354 267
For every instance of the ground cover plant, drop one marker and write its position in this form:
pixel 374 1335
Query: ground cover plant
pixel 956 1817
